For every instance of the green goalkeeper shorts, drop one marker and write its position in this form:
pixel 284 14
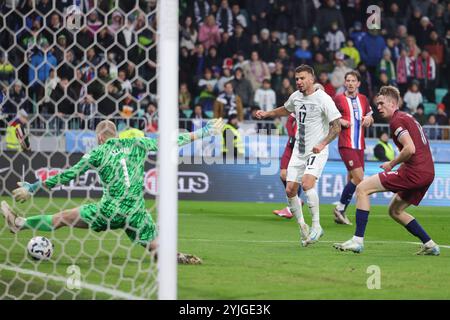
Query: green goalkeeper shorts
pixel 138 226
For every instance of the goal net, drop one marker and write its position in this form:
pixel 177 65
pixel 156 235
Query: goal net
pixel 66 66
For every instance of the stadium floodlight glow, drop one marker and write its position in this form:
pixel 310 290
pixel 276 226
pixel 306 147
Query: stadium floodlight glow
pixel 168 165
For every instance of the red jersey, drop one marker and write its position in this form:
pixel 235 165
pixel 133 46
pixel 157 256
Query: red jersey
pixel 421 162
pixel 353 110
pixel 291 125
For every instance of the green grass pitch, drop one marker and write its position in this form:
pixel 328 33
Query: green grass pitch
pixel 247 252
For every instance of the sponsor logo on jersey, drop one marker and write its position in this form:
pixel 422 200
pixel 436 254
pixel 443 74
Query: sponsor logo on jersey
pixel 350 163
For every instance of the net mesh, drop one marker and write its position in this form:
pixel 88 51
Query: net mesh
pixel 66 66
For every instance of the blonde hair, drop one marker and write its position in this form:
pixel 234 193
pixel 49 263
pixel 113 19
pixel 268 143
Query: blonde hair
pixel 390 92
pixel 107 129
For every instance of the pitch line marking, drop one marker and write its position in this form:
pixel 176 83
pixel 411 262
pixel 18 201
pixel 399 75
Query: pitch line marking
pixel 84 285
pixel 291 241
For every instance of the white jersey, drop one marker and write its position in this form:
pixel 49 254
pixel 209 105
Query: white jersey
pixel 314 114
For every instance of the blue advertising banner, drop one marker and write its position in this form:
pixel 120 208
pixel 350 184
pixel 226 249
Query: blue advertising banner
pixel 256 146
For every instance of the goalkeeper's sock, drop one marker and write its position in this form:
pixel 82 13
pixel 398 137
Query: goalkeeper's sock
pixel 296 209
pixel 39 222
pixel 313 203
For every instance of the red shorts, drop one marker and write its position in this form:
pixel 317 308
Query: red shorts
pixel 408 185
pixel 353 158
pixel 286 157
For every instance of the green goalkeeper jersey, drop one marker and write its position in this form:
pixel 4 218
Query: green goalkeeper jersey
pixel 120 166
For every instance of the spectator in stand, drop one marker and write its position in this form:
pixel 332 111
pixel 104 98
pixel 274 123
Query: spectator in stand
pixel 86 112
pixel 284 59
pixel 41 61
pixel 303 55
pixel 94 22
pixel 431 128
pixel 209 33
pixel 353 53
pixel 439 20
pixel 256 70
pixel 393 44
pixel 327 86
pixel 321 64
pixel 225 49
pixel 226 75
pixel 357 34
pixel 436 49
pixel 184 98
pixel 228 103
pixel 441 116
pixel 104 38
pixel 265 97
pixel 17 100
pixel 404 67
pixel 243 88
pixel 7 73
pixel 285 92
pixel 258 11
pixel 394 18
pixel 207 89
pixel 302 16
pixel 387 66
pixel 266 50
pixel 291 47
pixel 334 38
pixel 239 16
pixel 317 45
pixel 413 97
pixel 425 29
pixel 420 115
pixel 412 48
pixel 201 10
pixel 198 117
pixel 151 115
pixel 426 74
pixel 224 18
pixel 116 23
pixel 282 20
pixel 338 75
pixel 328 14
pixel 240 42
pixel 198 61
pixel 188 34
pixel 213 61
pixel 277 76
pixel 371 50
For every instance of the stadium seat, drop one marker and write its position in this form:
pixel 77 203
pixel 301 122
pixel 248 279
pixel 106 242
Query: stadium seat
pixel 430 107
pixel 440 93
pixel 187 114
pixel 210 114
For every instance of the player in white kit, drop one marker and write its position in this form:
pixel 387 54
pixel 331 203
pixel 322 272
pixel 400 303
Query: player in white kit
pixel 318 125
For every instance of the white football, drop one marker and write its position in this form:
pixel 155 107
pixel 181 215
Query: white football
pixel 40 248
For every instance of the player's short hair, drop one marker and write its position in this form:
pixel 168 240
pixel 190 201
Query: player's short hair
pixel 390 92
pixel 305 68
pixel 353 73
pixel 107 129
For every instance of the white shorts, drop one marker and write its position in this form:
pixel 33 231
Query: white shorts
pixel 312 163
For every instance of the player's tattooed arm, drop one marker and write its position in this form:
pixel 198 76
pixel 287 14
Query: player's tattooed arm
pixel 335 128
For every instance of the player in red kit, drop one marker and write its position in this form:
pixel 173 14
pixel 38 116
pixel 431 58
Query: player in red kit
pixel 356 116
pixel 291 126
pixel 409 183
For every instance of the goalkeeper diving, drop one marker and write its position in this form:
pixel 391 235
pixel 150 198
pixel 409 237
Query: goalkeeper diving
pixel 120 166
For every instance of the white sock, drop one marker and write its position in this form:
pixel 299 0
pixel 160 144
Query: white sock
pixel 430 244
pixel 340 206
pixel 313 203
pixel 359 240
pixel 19 222
pixel 296 209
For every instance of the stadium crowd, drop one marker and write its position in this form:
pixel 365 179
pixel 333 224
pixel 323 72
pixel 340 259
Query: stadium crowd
pixel 236 57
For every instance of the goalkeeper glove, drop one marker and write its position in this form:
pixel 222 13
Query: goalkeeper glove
pixel 212 127
pixel 26 190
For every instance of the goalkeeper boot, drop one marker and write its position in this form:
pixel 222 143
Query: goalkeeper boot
pixel 184 258
pixel 340 217
pixel 10 217
pixel 284 213
pixel 350 245
pixel 429 249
